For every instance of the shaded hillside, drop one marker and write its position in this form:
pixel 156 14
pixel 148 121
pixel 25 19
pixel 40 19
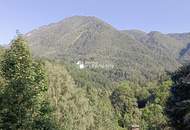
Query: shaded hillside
pixel 162 44
pixel 137 54
pixel 184 38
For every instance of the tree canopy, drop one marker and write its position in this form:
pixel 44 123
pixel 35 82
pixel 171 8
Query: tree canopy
pixel 178 106
pixel 23 101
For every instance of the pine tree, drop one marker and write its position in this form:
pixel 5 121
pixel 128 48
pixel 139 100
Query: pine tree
pixel 178 107
pixel 23 96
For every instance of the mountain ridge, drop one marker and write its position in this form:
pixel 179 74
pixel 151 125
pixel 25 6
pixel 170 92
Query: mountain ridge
pixel 88 38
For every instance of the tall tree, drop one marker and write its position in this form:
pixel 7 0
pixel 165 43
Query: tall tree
pixel 178 107
pixel 23 96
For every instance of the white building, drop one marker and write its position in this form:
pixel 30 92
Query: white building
pixel 81 64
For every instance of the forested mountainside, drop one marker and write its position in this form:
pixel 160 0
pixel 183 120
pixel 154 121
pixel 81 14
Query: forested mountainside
pixel 139 55
pixel 79 107
pixel 69 98
pixel 41 93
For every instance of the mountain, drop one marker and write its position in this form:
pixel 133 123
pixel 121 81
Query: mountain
pixel 136 54
pixel 163 43
pixel 176 43
pixel 184 38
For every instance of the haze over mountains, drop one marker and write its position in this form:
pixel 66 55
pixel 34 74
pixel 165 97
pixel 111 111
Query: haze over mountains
pixel 139 54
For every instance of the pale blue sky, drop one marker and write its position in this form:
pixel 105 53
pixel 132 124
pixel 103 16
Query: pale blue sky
pixel 161 15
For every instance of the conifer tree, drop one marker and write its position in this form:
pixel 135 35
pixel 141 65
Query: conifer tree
pixel 178 105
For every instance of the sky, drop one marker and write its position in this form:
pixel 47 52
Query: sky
pixel 147 15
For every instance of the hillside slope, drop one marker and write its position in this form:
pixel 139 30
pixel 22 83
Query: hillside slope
pixel 136 54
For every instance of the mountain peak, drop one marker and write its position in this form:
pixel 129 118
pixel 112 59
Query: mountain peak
pixel 154 33
pixel 88 37
pixel 81 20
pixel 77 17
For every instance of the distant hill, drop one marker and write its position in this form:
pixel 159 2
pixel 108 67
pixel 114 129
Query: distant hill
pixel 138 54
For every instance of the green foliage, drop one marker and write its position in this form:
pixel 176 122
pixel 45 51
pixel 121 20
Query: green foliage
pixel 142 105
pixel 162 93
pixel 45 119
pixel 71 106
pixel 24 88
pixel 87 99
pixel 89 77
pixel 125 104
pixel 79 106
pixel 154 117
pixel 178 104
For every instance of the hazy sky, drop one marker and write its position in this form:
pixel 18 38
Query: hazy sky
pixel 161 15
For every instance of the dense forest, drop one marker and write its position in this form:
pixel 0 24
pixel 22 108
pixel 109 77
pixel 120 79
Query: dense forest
pixel 43 94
